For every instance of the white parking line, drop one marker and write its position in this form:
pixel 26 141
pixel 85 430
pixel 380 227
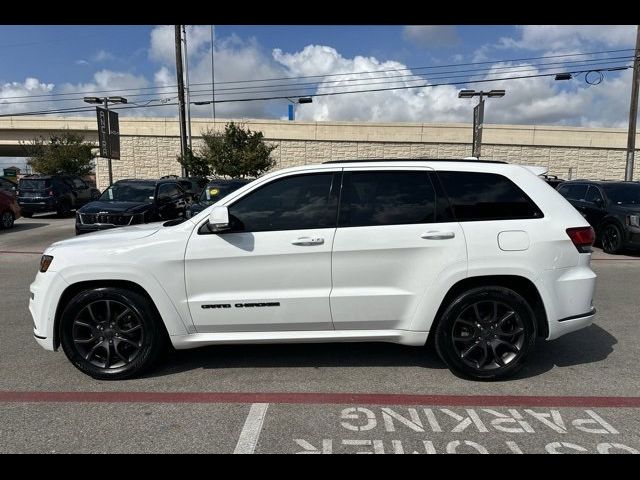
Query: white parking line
pixel 252 428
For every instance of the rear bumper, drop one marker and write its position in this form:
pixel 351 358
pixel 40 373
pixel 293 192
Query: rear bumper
pixel 38 206
pixel 567 294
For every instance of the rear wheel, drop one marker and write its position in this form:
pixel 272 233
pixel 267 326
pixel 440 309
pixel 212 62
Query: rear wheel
pixel 111 333
pixel 486 333
pixel 6 220
pixel 611 238
pixel 64 209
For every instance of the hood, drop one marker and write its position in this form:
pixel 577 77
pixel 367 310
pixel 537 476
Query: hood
pixel 111 238
pixel 115 207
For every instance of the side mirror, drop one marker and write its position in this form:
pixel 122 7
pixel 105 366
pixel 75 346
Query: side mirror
pixel 219 219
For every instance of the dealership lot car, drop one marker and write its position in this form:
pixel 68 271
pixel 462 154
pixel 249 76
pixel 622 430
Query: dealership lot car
pixel 483 257
pixel 131 202
pixel 9 210
pixel 48 193
pixel 612 209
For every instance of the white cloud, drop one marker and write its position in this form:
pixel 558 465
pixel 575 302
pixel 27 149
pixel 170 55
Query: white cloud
pixel 568 37
pixel 102 56
pixel 82 62
pixel 431 36
pixel 30 86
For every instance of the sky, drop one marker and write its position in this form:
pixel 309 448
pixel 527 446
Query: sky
pixel 53 67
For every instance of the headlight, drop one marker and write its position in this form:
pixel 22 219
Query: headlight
pixel 45 261
pixel 633 220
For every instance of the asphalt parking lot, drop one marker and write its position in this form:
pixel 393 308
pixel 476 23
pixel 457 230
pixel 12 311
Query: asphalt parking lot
pixel 577 394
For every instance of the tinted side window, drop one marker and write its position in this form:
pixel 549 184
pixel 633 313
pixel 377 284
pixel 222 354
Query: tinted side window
pixel 486 196
pixel 594 195
pixel 386 198
pixel 170 189
pixel 573 192
pixel 291 203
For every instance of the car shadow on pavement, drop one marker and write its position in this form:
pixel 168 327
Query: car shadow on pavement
pixel 592 344
pixel 298 356
pixel 20 226
pixel 589 345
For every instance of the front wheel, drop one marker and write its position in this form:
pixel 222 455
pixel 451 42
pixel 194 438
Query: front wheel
pixel 486 333
pixel 111 333
pixel 6 220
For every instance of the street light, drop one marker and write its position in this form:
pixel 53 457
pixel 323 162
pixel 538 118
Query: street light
pixel 106 100
pixel 300 100
pixel 478 114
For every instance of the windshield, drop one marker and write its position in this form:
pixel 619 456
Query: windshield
pixel 213 193
pixel 626 194
pixel 129 192
pixel 33 184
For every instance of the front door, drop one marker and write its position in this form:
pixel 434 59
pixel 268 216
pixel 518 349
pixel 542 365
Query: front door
pixel 391 247
pixel 272 270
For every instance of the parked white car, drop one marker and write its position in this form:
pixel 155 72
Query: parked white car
pixel 483 257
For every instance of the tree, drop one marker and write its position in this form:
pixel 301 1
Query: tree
pixel 65 152
pixel 238 152
pixel 197 166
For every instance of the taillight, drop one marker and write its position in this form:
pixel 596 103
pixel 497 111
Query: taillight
pixel 582 238
pixel 51 193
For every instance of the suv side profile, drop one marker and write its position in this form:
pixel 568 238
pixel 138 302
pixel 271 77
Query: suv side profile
pixel 53 193
pixel 479 257
pixel 612 208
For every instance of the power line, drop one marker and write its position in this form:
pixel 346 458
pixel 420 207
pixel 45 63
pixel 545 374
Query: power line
pixel 431 67
pixel 594 63
pixel 282 97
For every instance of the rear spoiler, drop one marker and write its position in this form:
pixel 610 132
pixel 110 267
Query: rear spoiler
pixel 536 170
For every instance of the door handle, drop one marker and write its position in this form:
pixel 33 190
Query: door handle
pixel 306 241
pixel 435 235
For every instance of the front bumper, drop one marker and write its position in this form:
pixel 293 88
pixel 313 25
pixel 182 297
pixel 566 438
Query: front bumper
pixel 95 227
pixel 45 292
pixel 632 237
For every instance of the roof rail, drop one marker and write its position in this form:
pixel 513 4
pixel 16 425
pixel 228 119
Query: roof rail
pixel 466 160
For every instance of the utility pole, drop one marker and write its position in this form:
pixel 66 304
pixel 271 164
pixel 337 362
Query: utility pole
pixel 633 110
pixel 187 88
pixel 213 81
pixel 181 113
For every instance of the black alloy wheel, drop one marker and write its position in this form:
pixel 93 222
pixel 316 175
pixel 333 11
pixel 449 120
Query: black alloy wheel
pixel 611 239
pixel 111 333
pixel 6 220
pixel 486 333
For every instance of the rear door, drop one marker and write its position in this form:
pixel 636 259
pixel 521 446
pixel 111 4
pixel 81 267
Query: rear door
pixel 392 244
pixel 594 206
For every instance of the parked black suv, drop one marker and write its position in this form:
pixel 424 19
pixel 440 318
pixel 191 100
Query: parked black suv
pixel 129 202
pixel 214 191
pixel 8 186
pixel 53 193
pixel 612 209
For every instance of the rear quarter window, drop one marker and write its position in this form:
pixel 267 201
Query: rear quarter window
pixel 486 196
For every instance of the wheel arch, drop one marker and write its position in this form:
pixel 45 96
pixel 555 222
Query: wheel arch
pixel 517 283
pixel 75 288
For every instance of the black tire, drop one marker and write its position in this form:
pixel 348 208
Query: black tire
pixel 27 214
pixel 64 209
pixel 6 220
pixel 115 354
pixel 467 336
pixel 611 238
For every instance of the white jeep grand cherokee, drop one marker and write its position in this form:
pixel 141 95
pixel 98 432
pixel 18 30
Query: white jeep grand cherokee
pixel 479 257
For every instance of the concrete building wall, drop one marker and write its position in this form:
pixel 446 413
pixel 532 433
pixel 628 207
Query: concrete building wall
pixel 149 146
